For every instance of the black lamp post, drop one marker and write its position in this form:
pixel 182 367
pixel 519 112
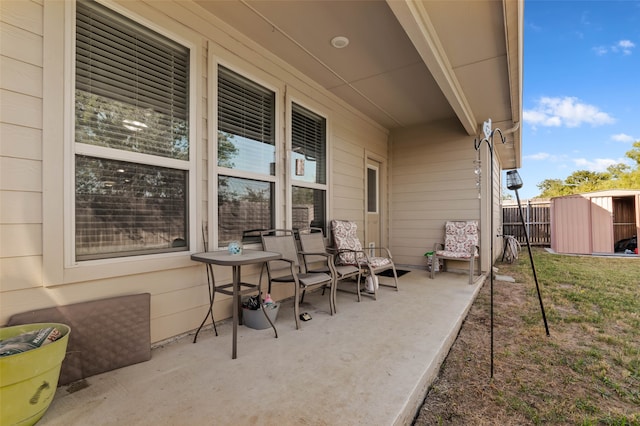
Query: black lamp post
pixel 514 182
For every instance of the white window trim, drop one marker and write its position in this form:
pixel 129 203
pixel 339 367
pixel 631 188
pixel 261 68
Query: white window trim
pixel 59 264
pixel 254 75
pixel 294 96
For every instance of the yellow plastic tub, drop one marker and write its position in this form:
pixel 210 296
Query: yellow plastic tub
pixel 28 380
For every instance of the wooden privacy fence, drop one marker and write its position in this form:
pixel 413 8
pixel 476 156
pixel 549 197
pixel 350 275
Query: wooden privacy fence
pixel 537 219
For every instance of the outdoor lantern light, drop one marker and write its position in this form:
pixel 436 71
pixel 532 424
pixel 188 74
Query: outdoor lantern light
pixel 513 180
pixel 514 183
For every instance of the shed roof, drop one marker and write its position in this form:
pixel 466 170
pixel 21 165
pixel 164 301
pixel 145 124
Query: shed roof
pixel 607 193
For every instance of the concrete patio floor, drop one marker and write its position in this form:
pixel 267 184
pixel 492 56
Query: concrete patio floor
pixel 370 364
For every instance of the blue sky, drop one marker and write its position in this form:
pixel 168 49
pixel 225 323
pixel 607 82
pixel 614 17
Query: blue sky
pixel 581 92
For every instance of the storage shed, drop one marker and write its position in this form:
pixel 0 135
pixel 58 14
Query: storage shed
pixel 593 222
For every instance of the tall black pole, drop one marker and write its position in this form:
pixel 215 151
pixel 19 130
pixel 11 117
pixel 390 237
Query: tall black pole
pixel 533 266
pixel 489 135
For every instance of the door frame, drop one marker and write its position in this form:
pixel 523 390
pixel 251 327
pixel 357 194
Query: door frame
pixel 378 163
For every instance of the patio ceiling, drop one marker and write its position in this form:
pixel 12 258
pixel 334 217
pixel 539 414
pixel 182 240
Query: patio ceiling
pixel 406 63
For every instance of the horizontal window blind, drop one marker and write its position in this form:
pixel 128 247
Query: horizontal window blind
pixel 308 140
pixel 245 108
pixel 132 85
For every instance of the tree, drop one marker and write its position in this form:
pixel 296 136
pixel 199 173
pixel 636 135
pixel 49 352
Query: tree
pixel 634 153
pixel 617 170
pixel 617 176
pixel 553 188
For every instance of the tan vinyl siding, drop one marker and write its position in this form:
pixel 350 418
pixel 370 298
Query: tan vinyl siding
pixel 20 146
pixel 31 190
pixel 432 181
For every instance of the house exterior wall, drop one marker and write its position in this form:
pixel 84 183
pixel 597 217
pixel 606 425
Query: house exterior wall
pixel 432 181
pixel 32 270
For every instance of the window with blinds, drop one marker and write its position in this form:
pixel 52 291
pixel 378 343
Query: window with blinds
pixel 132 95
pixel 246 156
pixel 308 168
pixel 308 143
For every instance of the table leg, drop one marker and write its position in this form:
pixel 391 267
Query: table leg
pixel 236 308
pixel 211 284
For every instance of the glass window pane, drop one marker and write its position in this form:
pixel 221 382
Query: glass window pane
pixel 308 208
pixel 132 85
pixel 240 153
pixel 372 190
pixel 125 209
pixel 246 124
pixel 243 204
pixel 308 143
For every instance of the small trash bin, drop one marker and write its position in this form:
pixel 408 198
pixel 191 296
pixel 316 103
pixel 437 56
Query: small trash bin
pixel 254 318
pixel 429 256
pixel 28 380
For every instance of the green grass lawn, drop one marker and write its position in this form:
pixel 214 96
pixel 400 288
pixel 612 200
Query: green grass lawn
pixel 587 372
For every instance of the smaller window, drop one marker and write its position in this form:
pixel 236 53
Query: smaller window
pixel 308 168
pixel 246 157
pixel 372 189
pixel 308 143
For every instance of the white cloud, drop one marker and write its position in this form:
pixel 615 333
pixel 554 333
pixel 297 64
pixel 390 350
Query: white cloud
pixel 600 50
pixel 597 164
pixel 541 156
pixel 621 137
pixel 567 111
pixel 538 156
pixel 624 46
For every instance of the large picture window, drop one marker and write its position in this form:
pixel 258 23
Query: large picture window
pixel 246 156
pixel 132 145
pixel 308 168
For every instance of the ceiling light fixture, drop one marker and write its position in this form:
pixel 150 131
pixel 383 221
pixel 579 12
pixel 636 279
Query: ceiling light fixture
pixel 339 42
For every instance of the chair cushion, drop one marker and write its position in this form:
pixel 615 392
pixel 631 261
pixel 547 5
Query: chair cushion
pixel 460 239
pixel 453 254
pixel 378 262
pixel 345 237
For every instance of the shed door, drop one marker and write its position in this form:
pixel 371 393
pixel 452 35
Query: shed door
pixel 602 224
pixel 571 225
